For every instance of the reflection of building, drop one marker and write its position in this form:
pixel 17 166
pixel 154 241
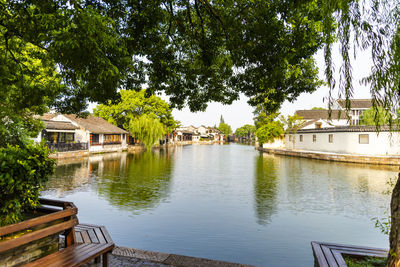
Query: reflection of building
pixel 93 133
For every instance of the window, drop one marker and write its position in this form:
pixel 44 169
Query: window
pixel 314 138
pixel 290 138
pixel 301 138
pixel 112 139
pixel 94 139
pixel 363 138
pixel 318 125
pixel 331 138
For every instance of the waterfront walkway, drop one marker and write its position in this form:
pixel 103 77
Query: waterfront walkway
pixel 122 256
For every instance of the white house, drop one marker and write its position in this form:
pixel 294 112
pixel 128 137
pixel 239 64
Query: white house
pixel 357 107
pixel 322 119
pixel 360 140
pixel 97 133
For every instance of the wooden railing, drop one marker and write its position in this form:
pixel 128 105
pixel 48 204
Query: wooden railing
pixel 61 217
pixel 63 147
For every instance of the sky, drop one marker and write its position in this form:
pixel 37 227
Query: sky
pixel 239 112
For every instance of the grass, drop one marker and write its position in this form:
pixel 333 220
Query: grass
pixel 364 261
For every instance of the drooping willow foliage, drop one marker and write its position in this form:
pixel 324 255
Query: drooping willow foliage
pixel 374 26
pixel 148 129
pixel 371 26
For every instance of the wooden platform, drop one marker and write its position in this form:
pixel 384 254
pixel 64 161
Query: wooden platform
pixel 330 255
pixel 92 234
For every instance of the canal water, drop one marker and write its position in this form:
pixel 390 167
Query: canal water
pixel 227 202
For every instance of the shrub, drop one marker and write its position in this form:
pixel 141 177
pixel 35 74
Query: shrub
pixel 23 172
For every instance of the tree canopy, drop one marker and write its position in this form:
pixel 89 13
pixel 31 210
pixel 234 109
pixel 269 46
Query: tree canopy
pixel 194 51
pixel 147 128
pixel 375 116
pixel 268 127
pixel 225 128
pixel 246 130
pixel 132 106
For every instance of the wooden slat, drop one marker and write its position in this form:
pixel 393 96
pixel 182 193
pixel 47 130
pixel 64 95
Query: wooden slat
pixel 339 258
pixel 99 249
pixel 50 259
pixel 92 236
pixel 78 236
pixel 99 234
pixel 329 256
pixel 318 253
pixel 73 256
pixel 53 202
pixel 5 230
pixel 362 253
pixel 85 237
pixel 47 209
pixel 341 246
pixel 106 235
pixel 8 244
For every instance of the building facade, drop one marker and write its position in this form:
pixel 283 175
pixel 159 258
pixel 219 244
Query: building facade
pixel 359 140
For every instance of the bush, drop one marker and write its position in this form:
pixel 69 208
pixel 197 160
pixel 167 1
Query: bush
pixel 23 172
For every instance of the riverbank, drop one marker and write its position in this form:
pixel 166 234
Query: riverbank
pixel 130 148
pixel 122 256
pixel 365 159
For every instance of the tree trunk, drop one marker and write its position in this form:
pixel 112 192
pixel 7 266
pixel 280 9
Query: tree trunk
pixel 394 237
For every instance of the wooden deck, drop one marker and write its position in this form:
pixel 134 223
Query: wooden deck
pixel 92 234
pixel 330 255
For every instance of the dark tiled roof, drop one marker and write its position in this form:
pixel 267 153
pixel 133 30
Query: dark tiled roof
pixel 96 125
pixel 46 116
pixel 321 114
pixel 356 103
pixel 59 125
pixel 355 128
pixel 308 123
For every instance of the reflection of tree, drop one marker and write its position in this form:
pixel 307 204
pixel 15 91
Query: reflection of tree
pixel 69 176
pixel 139 184
pixel 265 188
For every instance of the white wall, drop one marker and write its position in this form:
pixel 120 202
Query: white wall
pixel 348 143
pixel 278 143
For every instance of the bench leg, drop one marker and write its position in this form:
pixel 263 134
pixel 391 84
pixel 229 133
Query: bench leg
pixel 105 260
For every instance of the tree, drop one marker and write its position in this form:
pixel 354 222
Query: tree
pixel 194 51
pixel 376 29
pixel 268 128
pixel 147 128
pixel 317 108
pixel 221 120
pixel 225 128
pixel 292 124
pixel 132 106
pixel 246 130
pixel 375 116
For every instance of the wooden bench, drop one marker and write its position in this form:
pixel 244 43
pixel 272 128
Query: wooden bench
pixel 61 219
pixel 330 255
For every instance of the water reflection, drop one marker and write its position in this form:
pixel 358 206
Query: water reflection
pixel 130 181
pixel 265 188
pixel 142 182
pixel 333 187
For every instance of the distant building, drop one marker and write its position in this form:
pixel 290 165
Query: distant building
pixel 322 119
pixel 357 107
pixel 361 140
pixel 65 132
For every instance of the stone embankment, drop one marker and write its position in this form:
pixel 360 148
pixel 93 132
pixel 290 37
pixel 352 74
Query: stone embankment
pixel 122 256
pixel 365 159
